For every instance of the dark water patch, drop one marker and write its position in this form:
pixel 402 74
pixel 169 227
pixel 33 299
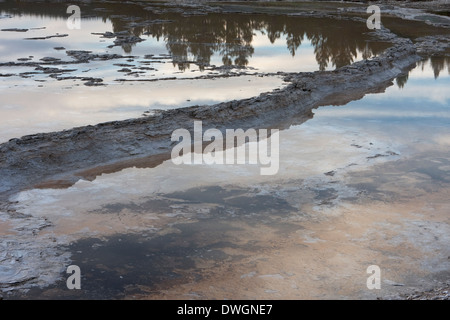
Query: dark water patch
pixel 404 178
pixel 436 174
pixel 119 266
pixel 206 202
pixel 325 196
pixel 150 262
pixel 285 228
pixel 440 12
pixel 210 194
pixel 151 205
pixel 241 201
pixel 411 29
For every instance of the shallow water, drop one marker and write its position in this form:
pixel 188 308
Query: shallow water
pixel 361 184
pixel 173 231
pixel 175 45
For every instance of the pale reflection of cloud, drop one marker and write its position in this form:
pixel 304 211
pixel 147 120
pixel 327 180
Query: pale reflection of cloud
pixel 54 108
pixel 420 85
pixel 421 98
pixel 306 157
pixel 76 39
pixel 376 113
pixel 303 61
pixel 418 90
pixel 443 139
pixel 418 73
pixel 275 57
pixel 426 71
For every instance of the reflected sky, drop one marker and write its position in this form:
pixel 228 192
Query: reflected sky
pixel 412 114
pixel 183 47
pixel 175 46
pixel 193 41
pixel 418 114
pixel 57 108
pixel 376 129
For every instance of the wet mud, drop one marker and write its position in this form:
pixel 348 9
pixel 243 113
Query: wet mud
pixel 308 234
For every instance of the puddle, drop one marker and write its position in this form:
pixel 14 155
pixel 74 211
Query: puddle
pixel 91 82
pixel 361 184
pixel 416 110
pixel 79 106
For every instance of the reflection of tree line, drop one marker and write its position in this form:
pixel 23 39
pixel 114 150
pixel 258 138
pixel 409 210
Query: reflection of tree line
pixel 230 36
pixel 437 64
pixel 335 42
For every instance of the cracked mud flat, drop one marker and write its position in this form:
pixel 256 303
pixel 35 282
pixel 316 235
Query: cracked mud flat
pixel 169 232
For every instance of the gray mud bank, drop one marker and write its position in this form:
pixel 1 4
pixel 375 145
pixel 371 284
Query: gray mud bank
pixel 67 155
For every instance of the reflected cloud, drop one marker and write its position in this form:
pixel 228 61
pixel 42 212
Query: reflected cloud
pixel 423 98
pixel 57 108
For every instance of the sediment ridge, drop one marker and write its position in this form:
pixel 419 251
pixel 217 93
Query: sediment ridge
pixel 63 156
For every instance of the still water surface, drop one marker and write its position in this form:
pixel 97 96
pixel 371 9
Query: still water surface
pixel 202 55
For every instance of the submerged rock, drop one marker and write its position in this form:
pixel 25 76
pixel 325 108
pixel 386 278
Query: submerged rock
pixel 48 37
pixel 50 59
pixel 15 30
